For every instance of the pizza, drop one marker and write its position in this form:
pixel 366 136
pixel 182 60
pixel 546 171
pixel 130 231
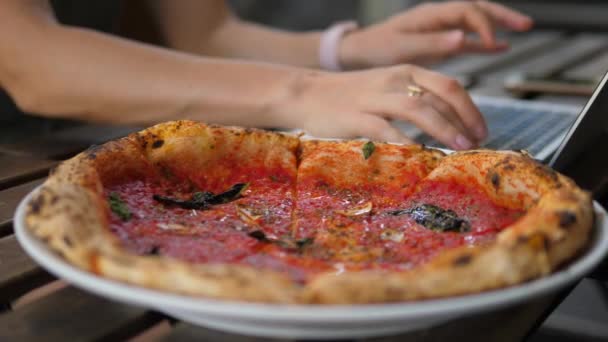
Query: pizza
pixel 252 215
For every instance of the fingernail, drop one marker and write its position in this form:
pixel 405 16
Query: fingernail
pixel 462 142
pixel 480 132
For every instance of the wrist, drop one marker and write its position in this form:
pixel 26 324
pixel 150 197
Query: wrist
pixel 285 106
pixel 348 52
pixel 330 45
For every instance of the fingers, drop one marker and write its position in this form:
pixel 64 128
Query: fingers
pixel 477 16
pixel 506 17
pixel 448 113
pixel 454 94
pixel 437 119
pixel 427 48
pixel 475 19
pixel 475 46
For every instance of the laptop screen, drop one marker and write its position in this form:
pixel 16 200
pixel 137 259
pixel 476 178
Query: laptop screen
pixel 582 153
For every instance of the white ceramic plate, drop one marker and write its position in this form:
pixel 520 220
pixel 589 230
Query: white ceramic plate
pixel 312 321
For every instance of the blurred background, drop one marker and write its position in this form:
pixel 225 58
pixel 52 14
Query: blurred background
pixel 317 14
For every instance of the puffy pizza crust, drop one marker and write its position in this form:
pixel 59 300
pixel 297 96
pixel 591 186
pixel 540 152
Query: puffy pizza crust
pixel 71 215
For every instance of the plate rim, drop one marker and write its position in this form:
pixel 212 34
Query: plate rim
pixel 158 299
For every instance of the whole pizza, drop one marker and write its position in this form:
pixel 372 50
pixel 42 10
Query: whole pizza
pixel 253 215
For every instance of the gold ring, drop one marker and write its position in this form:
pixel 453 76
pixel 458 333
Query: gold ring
pixel 414 90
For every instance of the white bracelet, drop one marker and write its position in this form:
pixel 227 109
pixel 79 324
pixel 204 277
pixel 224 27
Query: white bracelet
pixel 329 44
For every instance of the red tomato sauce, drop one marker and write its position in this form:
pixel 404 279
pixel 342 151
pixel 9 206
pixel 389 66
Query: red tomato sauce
pixel 372 239
pixel 407 243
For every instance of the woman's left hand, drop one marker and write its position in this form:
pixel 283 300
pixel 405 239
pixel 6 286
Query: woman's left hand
pixel 431 32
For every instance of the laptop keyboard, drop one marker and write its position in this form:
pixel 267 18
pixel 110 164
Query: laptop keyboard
pixel 518 127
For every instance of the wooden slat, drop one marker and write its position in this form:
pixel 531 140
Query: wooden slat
pixel 9 199
pixel 67 142
pixel 18 273
pixel 19 169
pixel 583 315
pixel 188 332
pixel 73 315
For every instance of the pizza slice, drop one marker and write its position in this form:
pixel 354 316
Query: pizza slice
pixel 478 221
pixel 192 197
pixel 342 185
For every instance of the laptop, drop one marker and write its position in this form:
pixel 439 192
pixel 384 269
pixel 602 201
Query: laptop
pixel 541 128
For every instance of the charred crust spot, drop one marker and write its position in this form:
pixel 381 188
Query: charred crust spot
pixel 537 241
pixel 507 164
pixel 158 143
pixel 566 218
pixel 546 242
pixel 542 169
pixel 143 142
pixel 508 167
pixel 463 260
pixel 155 250
pixel 92 151
pixel 495 179
pixel 36 204
pixel 68 241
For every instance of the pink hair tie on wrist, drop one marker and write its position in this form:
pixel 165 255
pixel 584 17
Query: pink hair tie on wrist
pixel 330 41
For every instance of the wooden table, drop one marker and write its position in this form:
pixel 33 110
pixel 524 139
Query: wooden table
pixel 36 306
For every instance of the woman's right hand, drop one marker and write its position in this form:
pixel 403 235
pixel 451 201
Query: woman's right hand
pixel 363 103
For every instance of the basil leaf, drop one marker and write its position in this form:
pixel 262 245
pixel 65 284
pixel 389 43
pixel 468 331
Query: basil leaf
pixel 202 200
pixel 305 242
pixel 119 207
pixel 368 149
pixel 286 242
pixel 229 195
pixel 193 203
pixel 435 218
pixel 258 235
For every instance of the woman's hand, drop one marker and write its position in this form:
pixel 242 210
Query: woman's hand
pixel 431 32
pixel 362 104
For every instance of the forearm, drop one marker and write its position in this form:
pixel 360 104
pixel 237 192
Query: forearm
pixel 75 73
pixel 209 28
pixel 240 39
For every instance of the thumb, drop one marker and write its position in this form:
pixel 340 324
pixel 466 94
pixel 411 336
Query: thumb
pixel 432 47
